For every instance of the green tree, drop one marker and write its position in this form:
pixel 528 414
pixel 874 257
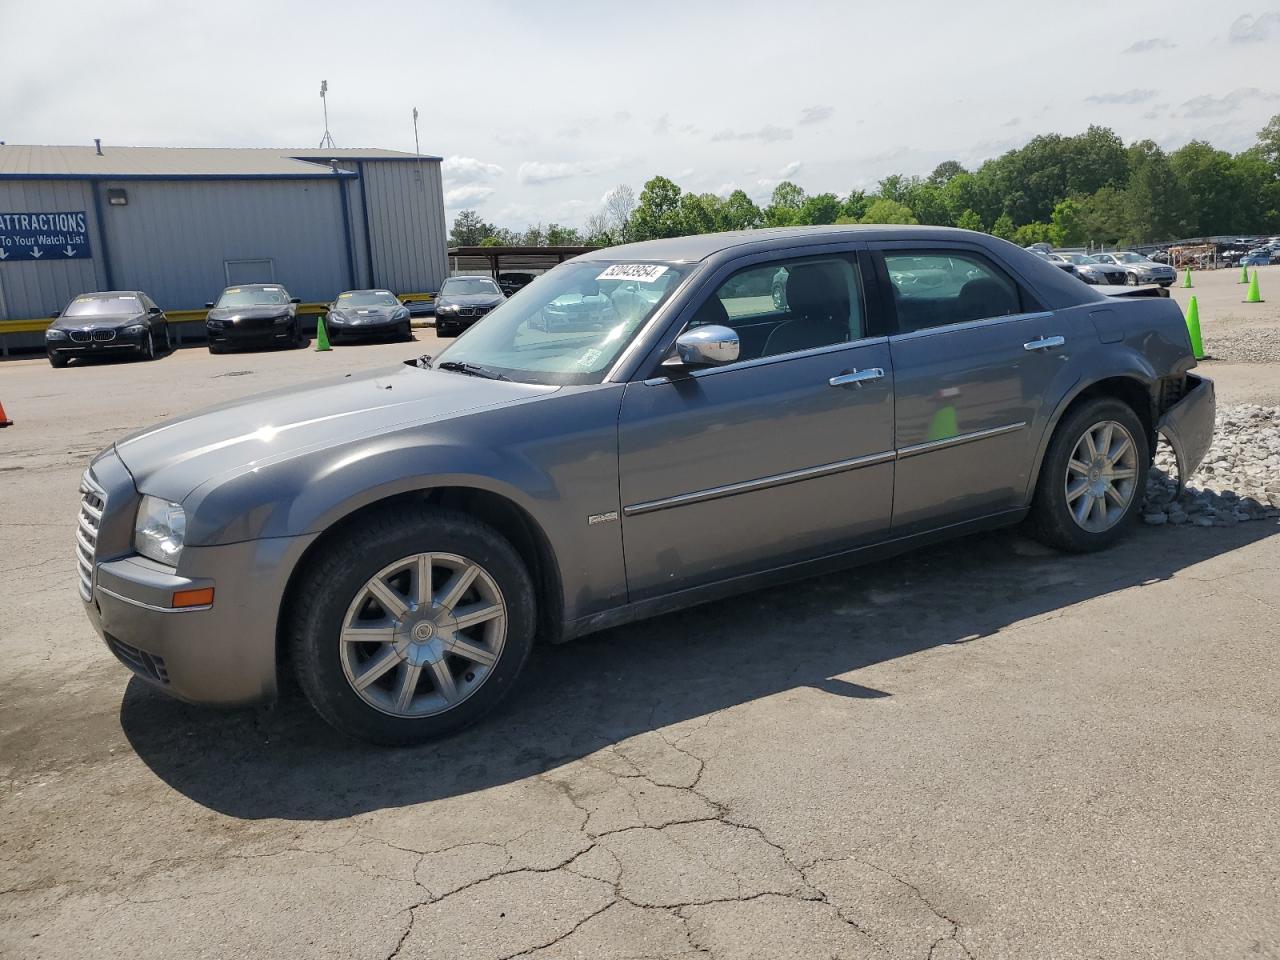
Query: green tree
pixel 1003 227
pixel 820 208
pixel 928 202
pixel 1204 176
pixel 1030 233
pixel 1067 229
pixel 741 213
pixel 784 206
pixel 1153 200
pixel 1102 216
pixel 945 172
pixel 469 229
pixel 969 220
pixel 894 187
pixel 853 206
pixel 701 213
pixel 657 214
pixel 888 211
pixel 562 236
pixel 1269 143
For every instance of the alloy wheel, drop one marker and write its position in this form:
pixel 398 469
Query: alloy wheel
pixel 423 634
pixel 1102 476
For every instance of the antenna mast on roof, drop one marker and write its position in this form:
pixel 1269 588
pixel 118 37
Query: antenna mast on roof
pixel 327 139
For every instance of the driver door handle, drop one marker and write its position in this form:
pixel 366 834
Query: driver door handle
pixel 857 377
pixel 1044 343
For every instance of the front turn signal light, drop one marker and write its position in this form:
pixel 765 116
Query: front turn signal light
pixel 193 598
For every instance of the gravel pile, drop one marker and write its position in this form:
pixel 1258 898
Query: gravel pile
pixel 1238 481
pixel 1243 346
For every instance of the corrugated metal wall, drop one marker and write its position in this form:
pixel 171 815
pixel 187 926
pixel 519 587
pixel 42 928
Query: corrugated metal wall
pixel 35 289
pixel 405 201
pixel 174 237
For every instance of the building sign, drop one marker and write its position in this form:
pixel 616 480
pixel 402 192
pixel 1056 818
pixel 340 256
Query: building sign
pixel 44 236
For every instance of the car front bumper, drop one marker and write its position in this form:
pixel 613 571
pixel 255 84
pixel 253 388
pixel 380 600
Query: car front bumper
pixel 121 343
pixel 256 334
pixel 1188 425
pixel 223 653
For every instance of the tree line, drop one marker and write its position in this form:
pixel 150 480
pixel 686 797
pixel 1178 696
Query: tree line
pixel 1065 190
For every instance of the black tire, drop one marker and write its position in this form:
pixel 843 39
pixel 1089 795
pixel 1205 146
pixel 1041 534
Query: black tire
pixel 149 347
pixel 1131 279
pixel 168 340
pixel 56 361
pixel 217 348
pixel 331 581
pixel 407 333
pixel 1051 520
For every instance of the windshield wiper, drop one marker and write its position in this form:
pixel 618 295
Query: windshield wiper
pixel 471 370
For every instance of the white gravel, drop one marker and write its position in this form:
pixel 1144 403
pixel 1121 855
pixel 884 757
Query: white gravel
pixel 1243 346
pixel 1238 481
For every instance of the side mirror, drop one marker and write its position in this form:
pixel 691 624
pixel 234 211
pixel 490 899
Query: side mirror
pixel 295 300
pixel 208 306
pixel 55 315
pixel 153 311
pixel 707 346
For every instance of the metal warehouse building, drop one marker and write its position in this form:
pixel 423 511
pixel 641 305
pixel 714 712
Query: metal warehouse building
pixel 182 223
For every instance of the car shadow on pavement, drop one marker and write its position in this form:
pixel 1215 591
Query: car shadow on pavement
pixel 579 697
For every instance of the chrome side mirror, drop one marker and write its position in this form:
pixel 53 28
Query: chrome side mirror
pixel 707 346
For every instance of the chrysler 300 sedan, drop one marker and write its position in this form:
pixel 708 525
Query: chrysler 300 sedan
pixel 397 539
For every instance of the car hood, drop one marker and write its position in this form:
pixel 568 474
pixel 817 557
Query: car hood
pixel 249 313
pixel 470 299
pixel 110 321
pixel 173 458
pixel 1100 267
pixel 367 313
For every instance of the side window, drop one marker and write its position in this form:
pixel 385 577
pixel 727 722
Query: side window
pixel 789 305
pixel 937 288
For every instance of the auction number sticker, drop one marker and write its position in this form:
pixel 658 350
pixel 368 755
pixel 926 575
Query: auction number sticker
pixel 644 272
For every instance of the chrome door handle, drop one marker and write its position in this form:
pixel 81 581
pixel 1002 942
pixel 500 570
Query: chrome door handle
pixel 1044 343
pixel 857 377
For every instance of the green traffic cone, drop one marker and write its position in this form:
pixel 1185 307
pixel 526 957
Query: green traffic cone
pixel 322 338
pixel 1186 280
pixel 1244 273
pixel 1254 295
pixel 943 426
pixel 1193 329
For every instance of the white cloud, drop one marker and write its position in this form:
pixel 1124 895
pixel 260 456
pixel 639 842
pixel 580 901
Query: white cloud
pixel 535 172
pixel 1150 45
pixel 1207 105
pixel 1248 29
pixel 766 134
pixel 469 170
pixel 816 114
pixel 1125 96
pixel 790 170
pixel 468 196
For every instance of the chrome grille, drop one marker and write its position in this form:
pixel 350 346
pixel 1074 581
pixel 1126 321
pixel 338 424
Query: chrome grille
pixel 104 336
pixel 93 500
pixel 81 336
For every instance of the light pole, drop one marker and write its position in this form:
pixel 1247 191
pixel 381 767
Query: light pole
pixel 327 139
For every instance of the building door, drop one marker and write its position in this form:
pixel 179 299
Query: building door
pixel 250 271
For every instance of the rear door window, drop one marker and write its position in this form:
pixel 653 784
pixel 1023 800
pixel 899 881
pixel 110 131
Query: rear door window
pixel 934 288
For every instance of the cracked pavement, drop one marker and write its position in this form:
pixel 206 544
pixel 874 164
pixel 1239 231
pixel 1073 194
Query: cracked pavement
pixel 984 750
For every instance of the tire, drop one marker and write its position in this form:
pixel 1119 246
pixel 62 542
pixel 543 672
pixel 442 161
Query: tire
pixel 149 347
pixel 1131 279
pixel 407 333
pixel 334 593
pixel 56 361
pixel 217 348
pixel 168 340
pixel 1053 519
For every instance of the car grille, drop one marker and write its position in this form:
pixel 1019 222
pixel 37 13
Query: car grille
pixel 1115 278
pixel 139 661
pixel 473 311
pixel 104 336
pixel 93 500
pixel 81 336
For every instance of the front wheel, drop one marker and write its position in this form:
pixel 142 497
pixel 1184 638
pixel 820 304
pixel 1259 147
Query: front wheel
pixel 149 347
pixel 1093 477
pixel 1131 279
pixel 56 361
pixel 414 624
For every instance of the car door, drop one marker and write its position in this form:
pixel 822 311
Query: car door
pixel 973 356
pixel 784 455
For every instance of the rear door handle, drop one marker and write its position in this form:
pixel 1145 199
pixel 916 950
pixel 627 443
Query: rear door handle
pixel 1044 343
pixel 857 377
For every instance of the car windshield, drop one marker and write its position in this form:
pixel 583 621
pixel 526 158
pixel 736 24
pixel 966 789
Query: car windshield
pixel 1129 258
pixel 253 297
pixel 102 306
pixel 1076 258
pixel 467 286
pixel 367 298
pixel 569 325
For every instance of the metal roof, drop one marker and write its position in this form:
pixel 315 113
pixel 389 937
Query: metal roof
pixel 22 161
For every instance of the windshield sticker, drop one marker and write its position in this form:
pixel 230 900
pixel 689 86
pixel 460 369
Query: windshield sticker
pixel 270 289
pixel 644 272
pixel 590 357
pixel 344 296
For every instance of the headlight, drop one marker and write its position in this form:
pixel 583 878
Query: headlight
pixel 285 319
pixel 215 324
pixel 134 328
pixel 159 530
pixel 401 314
pixel 52 334
pixel 335 318
pixel 447 308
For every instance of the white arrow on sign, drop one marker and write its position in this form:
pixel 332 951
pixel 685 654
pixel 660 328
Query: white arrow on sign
pixel 69 251
pixel 3 254
pixel 36 253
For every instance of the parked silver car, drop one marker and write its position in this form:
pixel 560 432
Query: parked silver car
pixel 1090 269
pixel 1138 269
pixel 398 538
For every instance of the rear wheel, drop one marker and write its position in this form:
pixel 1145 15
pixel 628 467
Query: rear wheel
pixel 414 625
pixel 1093 477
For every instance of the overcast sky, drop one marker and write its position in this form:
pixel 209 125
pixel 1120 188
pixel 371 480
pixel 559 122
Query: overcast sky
pixel 540 108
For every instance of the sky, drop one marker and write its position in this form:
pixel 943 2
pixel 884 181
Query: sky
pixel 540 108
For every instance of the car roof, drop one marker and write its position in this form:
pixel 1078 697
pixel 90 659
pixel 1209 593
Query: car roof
pixel 701 246
pixel 110 293
pixel 254 286
pixel 369 290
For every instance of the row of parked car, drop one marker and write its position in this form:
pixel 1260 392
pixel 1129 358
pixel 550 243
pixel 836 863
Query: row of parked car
pixel 1117 267
pixel 254 315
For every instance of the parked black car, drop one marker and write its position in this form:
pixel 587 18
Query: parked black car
pixel 112 322
pixel 254 315
pixel 464 300
pixel 359 314
pixel 514 282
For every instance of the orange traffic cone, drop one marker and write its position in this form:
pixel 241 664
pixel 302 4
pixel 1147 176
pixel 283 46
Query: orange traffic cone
pixel 4 420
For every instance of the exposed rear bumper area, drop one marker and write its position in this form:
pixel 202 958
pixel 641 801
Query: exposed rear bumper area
pixel 1188 425
pixel 223 653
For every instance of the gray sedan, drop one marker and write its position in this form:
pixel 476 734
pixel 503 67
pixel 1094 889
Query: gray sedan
pixel 1138 269
pixel 397 539
pixel 1092 270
